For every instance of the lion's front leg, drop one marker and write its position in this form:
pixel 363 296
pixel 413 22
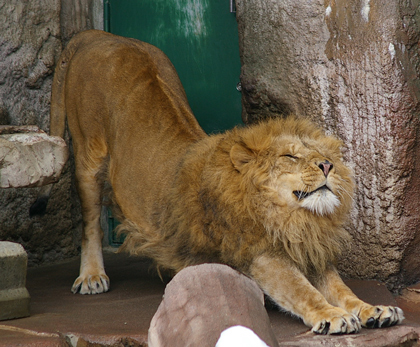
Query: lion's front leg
pixel 290 289
pixel 337 293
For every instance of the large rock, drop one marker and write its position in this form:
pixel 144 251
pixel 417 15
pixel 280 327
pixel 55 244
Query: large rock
pixel 30 159
pixel 203 301
pixel 353 67
pixel 14 297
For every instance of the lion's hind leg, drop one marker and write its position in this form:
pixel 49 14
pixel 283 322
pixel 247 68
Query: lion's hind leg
pixel 92 278
pixel 337 293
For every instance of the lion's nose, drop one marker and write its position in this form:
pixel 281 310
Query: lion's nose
pixel 326 167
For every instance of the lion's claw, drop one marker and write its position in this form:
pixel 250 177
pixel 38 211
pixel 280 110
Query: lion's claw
pixel 91 284
pixel 347 324
pixel 370 323
pixel 386 322
pixel 323 329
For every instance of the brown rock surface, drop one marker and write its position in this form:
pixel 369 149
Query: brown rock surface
pixel 202 301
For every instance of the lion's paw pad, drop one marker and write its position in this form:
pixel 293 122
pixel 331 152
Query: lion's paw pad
pixel 91 284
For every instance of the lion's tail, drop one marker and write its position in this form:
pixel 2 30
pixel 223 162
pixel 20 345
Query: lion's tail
pixel 58 107
pixel 57 115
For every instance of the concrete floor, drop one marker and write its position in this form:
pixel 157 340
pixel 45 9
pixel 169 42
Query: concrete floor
pixel 122 316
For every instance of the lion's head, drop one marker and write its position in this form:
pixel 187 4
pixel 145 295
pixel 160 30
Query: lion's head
pixel 294 181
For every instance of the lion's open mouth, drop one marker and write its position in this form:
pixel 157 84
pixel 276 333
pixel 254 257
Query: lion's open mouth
pixel 302 195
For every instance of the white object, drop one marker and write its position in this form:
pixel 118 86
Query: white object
pixel 239 336
pixel 31 159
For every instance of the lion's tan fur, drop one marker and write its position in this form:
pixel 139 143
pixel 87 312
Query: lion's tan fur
pixel 269 200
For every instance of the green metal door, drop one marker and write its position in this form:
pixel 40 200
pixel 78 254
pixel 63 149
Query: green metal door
pixel 200 37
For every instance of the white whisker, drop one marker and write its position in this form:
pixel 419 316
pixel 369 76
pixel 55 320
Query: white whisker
pixel 321 202
pixel 341 190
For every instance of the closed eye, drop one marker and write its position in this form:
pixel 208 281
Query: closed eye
pixel 290 156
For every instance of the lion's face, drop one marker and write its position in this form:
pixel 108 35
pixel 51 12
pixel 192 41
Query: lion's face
pixel 308 175
pixel 297 166
pixel 295 184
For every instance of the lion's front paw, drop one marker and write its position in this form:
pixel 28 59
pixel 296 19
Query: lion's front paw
pixel 380 316
pixel 337 322
pixel 91 284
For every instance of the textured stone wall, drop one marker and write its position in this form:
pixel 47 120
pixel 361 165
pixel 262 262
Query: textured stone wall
pixel 32 34
pixel 353 67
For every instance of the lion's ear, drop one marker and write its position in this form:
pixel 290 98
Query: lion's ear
pixel 240 155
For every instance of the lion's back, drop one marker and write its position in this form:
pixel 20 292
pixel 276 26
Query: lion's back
pixel 124 101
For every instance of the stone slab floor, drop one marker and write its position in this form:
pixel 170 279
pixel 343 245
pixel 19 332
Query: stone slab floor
pixel 122 316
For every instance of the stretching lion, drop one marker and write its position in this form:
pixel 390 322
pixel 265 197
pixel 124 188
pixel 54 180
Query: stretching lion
pixel 269 200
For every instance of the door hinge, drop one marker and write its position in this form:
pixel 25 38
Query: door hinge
pixel 232 6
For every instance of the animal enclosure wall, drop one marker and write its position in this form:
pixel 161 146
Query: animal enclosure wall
pixel 32 34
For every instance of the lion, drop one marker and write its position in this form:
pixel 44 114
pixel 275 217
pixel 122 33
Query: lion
pixel 269 199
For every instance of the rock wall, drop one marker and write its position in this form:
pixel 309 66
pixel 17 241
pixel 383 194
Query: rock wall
pixel 353 67
pixel 32 34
